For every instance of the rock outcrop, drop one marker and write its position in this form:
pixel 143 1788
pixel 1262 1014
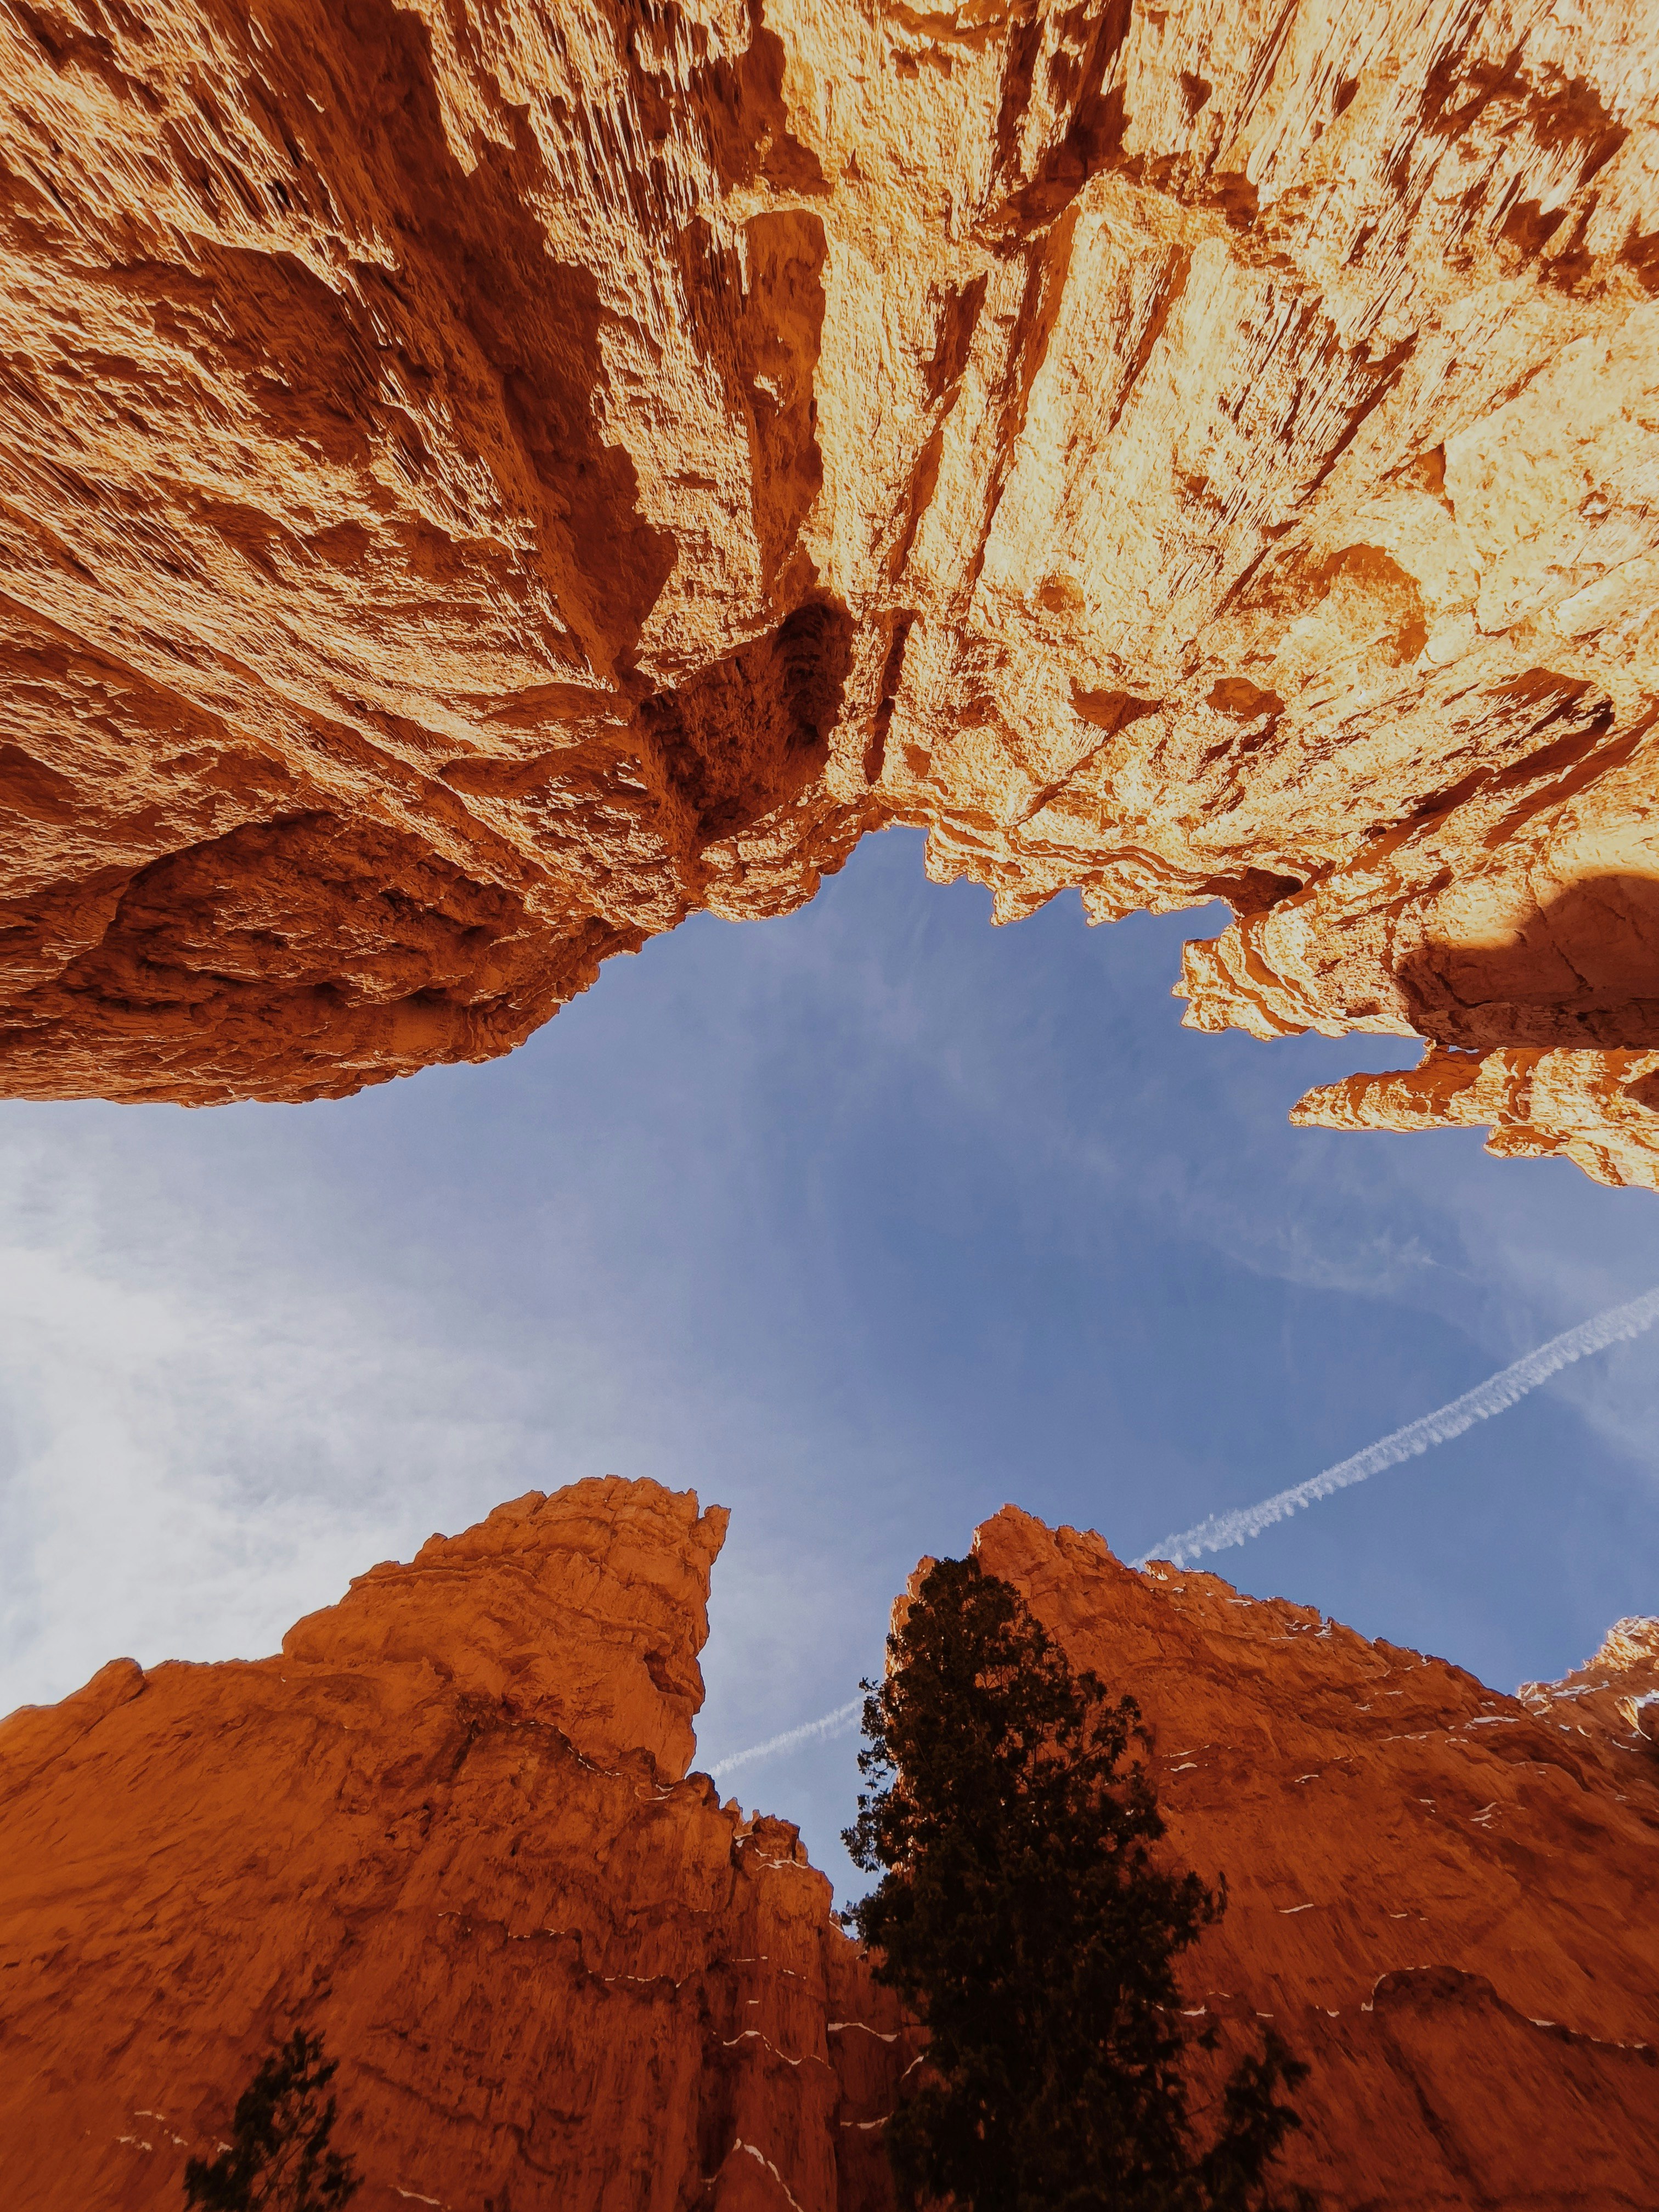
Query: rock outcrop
pixel 451 1825
pixel 1442 1896
pixel 1595 1108
pixel 482 483
pixel 1613 1699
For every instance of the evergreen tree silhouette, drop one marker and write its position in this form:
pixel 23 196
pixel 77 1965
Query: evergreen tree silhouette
pixel 279 2159
pixel 1021 1914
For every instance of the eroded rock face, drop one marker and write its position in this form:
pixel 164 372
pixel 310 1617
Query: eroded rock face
pixel 1442 1896
pixel 1613 1699
pixel 1595 1108
pixel 449 1825
pixel 484 483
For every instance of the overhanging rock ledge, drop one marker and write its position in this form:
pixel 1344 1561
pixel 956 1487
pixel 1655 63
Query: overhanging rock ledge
pixel 482 485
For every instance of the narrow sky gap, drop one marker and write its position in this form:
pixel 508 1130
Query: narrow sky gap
pixel 835 1723
pixel 862 1224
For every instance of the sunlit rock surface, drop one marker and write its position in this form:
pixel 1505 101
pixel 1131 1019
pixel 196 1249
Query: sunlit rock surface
pixel 450 1826
pixel 484 483
pixel 1612 1698
pixel 1595 1107
pixel 1442 1896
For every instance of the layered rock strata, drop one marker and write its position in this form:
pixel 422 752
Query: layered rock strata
pixel 1442 1896
pixel 450 1824
pixel 481 484
pixel 1594 1107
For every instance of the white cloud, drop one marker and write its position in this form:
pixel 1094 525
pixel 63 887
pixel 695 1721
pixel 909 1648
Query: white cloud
pixel 195 1452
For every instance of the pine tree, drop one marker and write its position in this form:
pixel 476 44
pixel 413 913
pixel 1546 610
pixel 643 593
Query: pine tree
pixel 279 2159
pixel 1022 1915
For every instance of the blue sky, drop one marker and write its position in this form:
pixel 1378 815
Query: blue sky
pixel 862 1223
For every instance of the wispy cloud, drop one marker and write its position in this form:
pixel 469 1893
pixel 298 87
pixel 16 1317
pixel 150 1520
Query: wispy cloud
pixel 193 1453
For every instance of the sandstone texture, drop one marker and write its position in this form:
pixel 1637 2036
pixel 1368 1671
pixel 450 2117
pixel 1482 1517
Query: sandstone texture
pixel 451 1825
pixel 483 483
pixel 1442 1896
pixel 1613 1699
pixel 1595 1108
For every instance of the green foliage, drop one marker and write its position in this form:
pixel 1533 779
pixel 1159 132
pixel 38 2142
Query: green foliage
pixel 1020 1913
pixel 279 2160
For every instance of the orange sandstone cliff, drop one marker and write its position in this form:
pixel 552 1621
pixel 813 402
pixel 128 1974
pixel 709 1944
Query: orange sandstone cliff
pixel 451 1824
pixel 1444 1897
pixel 482 483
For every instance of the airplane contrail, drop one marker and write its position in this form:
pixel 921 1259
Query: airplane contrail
pixel 1497 1392
pixel 835 1723
pixel 1494 1396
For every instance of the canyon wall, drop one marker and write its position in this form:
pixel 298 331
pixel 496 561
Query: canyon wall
pixel 1441 1895
pixel 482 483
pixel 451 1824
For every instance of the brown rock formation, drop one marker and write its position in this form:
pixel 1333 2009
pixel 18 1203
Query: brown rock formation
pixel 1595 1107
pixel 1613 1699
pixel 1442 1896
pixel 481 483
pixel 450 1824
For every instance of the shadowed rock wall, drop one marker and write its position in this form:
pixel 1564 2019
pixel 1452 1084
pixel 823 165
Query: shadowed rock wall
pixel 480 484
